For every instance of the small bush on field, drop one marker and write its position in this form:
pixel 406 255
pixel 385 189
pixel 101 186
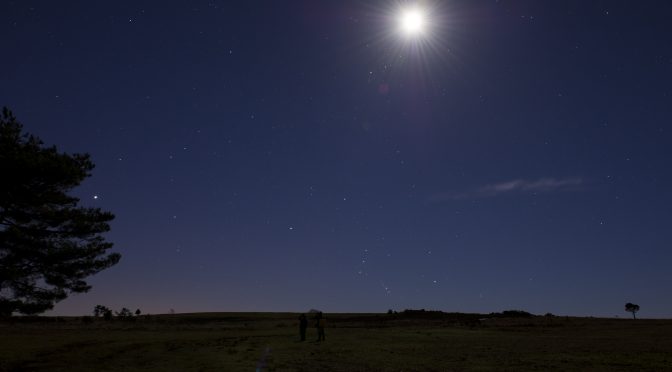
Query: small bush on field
pixel 513 314
pixel 124 313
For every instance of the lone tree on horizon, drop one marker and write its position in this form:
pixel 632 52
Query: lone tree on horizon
pixel 48 244
pixel 100 310
pixel 632 308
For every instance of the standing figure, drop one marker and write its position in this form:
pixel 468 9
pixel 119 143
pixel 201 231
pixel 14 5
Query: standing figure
pixel 320 323
pixel 303 324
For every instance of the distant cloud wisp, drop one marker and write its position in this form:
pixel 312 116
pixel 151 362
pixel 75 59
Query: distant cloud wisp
pixel 513 186
pixel 540 185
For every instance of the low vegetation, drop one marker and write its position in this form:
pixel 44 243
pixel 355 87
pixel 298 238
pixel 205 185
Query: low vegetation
pixel 413 340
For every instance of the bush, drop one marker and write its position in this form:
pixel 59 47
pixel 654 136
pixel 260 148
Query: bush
pixel 516 314
pixel 124 313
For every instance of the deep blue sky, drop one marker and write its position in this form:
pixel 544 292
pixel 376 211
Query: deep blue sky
pixel 288 155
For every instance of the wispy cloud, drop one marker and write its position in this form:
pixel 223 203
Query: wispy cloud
pixel 541 185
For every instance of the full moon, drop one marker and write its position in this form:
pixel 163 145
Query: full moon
pixel 412 21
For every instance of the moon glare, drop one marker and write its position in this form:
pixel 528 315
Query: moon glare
pixel 412 21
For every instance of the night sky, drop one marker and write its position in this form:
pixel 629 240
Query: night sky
pixel 289 155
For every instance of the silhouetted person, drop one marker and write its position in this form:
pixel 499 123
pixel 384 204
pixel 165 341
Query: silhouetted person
pixel 303 324
pixel 320 323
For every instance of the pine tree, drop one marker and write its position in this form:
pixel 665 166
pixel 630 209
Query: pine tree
pixel 48 244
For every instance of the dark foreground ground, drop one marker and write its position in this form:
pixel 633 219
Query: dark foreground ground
pixel 355 342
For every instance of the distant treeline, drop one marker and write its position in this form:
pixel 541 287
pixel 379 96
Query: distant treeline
pixel 391 318
pixel 437 314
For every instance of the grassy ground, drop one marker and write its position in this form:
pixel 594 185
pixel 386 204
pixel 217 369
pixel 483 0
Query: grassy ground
pixel 269 342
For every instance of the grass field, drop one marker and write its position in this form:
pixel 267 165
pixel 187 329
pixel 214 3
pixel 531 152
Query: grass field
pixel 354 342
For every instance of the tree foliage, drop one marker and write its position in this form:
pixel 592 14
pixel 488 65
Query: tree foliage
pixel 100 310
pixel 632 308
pixel 124 313
pixel 48 244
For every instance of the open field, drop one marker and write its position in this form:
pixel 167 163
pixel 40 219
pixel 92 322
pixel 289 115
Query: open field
pixel 354 342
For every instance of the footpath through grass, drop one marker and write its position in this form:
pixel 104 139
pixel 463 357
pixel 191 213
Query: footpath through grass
pixel 269 342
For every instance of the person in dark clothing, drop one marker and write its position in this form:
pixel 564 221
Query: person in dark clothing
pixel 320 323
pixel 303 324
